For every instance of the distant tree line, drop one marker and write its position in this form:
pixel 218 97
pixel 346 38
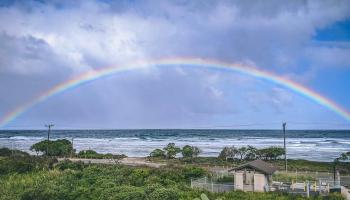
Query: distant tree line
pixel 251 153
pixel 64 148
pixel 171 150
pixel 242 153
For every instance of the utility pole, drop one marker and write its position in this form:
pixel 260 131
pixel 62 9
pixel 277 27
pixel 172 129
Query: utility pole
pixel 284 142
pixel 48 137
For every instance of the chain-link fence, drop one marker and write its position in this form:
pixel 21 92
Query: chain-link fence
pixel 298 176
pixel 211 185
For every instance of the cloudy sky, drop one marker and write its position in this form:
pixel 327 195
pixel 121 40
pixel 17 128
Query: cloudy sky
pixel 44 43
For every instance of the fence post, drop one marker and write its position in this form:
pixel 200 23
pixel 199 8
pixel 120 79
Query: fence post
pixel 320 187
pixel 328 187
pixel 307 189
pixel 315 186
pixel 191 183
pixel 212 186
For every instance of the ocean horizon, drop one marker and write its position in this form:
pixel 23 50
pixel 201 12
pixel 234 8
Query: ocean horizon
pixel 316 145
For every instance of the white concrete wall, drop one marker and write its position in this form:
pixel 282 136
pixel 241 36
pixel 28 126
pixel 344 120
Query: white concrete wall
pixel 345 193
pixel 238 182
pixel 259 182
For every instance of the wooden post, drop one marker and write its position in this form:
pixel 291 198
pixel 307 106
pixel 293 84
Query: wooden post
pixel 48 138
pixel 315 189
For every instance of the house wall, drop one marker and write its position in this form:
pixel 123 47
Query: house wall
pixel 238 181
pixel 260 182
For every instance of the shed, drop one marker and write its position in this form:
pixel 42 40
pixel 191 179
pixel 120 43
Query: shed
pixel 253 176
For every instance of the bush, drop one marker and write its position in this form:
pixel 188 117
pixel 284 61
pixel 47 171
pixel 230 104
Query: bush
pixel 271 153
pixel 6 152
pixel 164 194
pixel 123 193
pixel 190 151
pixel 193 172
pixel 20 164
pixel 56 148
pixel 67 164
pixel 94 155
pixel 171 150
pixel 157 153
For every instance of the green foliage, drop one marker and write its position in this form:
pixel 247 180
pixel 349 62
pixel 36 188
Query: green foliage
pixel 306 165
pixel 271 153
pixel 251 153
pixel 23 164
pixel 61 147
pixel 157 153
pixel 228 152
pixel 67 164
pixel 164 194
pixel 242 151
pixel 225 179
pixel 343 157
pixel 204 197
pixel 171 150
pixel 193 172
pixel 190 151
pixel 71 181
pixel 94 155
pixel 6 152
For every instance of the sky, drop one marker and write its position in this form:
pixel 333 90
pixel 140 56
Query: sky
pixel 44 43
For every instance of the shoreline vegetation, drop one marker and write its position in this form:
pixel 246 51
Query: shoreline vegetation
pixel 51 175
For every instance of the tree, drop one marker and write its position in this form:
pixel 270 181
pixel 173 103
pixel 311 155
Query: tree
pixel 190 151
pixel 270 153
pixel 158 153
pixel 196 151
pixel 251 153
pixel 171 150
pixel 242 151
pixel 228 152
pixel 61 147
pixel 344 156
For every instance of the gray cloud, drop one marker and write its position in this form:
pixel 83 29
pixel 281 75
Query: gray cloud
pixel 42 44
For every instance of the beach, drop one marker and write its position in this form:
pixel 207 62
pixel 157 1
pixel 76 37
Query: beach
pixel 314 145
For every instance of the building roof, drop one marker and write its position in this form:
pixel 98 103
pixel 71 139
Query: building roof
pixel 257 165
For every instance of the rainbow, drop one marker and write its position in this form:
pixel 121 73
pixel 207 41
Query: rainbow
pixel 193 62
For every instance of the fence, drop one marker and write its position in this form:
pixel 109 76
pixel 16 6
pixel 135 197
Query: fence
pixel 210 185
pixel 344 179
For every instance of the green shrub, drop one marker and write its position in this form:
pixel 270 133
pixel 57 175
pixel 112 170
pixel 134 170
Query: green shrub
pixel 6 152
pixel 164 194
pixel 61 147
pixel 157 153
pixel 193 172
pixel 67 164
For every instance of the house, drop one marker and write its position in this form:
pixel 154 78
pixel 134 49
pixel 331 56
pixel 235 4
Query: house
pixel 253 176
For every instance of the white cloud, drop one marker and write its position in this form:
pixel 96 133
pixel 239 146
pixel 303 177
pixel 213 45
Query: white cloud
pixel 57 40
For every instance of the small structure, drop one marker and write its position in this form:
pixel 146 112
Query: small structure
pixel 253 176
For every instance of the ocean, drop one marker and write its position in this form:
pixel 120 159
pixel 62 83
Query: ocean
pixel 318 145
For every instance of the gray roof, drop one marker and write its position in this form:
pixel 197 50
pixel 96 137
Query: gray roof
pixel 258 165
